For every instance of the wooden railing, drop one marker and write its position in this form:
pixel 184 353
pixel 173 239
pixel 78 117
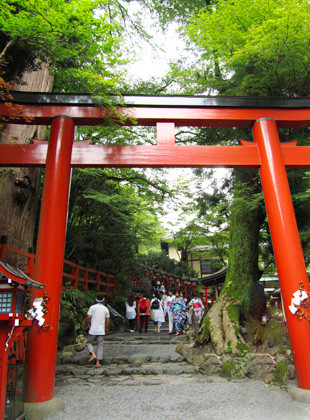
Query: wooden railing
pixel 74 275
pixel 86 276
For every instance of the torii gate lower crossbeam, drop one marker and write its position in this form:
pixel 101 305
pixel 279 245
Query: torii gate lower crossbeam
pixel 266 153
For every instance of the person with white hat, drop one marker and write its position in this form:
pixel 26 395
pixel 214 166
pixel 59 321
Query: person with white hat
pixel 98 316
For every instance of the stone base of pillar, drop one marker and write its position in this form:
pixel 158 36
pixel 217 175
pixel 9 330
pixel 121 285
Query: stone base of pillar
pixel 44 410
pixel 299 394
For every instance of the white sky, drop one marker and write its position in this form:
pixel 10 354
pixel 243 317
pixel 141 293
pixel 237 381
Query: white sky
pixel 154 62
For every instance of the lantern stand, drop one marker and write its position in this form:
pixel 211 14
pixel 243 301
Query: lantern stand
pixel 164 278
pixel 14 285
pixel 171 280
pixel 206 296
pixel 194 285
pixel 185 283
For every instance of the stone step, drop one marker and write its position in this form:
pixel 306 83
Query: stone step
pixel 132 354
pixel 136 338
pixel 72 373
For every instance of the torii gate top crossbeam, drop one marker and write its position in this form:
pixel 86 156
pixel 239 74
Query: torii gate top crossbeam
pixel 164 112
pixel 196 111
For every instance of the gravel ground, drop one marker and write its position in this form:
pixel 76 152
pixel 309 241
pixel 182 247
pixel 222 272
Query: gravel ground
pixel 183 397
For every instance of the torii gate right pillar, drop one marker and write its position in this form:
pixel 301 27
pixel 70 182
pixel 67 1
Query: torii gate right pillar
pixel 285 239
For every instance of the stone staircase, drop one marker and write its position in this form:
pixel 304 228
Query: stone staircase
pixel 145 286
pixel 127 356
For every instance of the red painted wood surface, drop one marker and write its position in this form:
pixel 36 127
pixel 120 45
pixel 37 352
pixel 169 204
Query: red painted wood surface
pixel 150 116
pixel 263 154
pixel 285 240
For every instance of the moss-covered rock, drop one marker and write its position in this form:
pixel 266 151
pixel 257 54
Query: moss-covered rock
pixel 227 369
pixel 281 373
pixel 272 333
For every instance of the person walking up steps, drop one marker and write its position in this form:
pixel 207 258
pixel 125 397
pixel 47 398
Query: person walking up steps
pixel 98 316
pixel 158 312
pixel 144 312
pixel 131 312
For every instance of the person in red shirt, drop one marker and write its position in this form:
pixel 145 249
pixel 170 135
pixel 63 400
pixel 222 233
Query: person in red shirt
pixel 144 312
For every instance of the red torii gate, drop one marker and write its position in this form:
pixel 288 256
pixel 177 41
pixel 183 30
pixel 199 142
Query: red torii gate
pixel 64 112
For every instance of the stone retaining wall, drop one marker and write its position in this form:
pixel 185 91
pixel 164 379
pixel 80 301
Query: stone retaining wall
pixel 271 368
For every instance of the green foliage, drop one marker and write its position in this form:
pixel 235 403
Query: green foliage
pixel 228 349
pixel 264 52
pixel 172 10
pixel 227 369
pixel 111 218
pixel 243 349
pixel 160 261
pixel 74 305
pixel 80 41
pixel 273 333
pixel 203 336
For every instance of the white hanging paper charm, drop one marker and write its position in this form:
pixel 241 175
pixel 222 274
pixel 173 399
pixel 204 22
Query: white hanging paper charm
pixel 39 309
pixel 296 301
pixel 301 295
pixel 300 302
pixel 293 309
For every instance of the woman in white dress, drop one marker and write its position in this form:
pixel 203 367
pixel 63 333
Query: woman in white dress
pixel 157 309
pixel 131 312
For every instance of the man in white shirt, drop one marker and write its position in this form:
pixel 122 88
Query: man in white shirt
pixel 98 316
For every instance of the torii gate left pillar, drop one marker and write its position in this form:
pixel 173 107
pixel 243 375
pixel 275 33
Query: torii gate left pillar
pixel 42 344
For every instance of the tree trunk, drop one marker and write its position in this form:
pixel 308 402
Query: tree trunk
pixel 19 186
pixel 241 297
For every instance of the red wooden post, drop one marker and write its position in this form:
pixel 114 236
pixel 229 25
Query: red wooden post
pixel 41 359
pixel 164 280
pixel 98 281
pixel 194 285
pixel 85 280
pixel 171 279
pixel 285 239
pixel 4 333
pixel 75 272
pixel 107 285
pixel 2 251
pixel 185 288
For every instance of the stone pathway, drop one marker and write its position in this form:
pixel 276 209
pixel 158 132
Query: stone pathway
pixel 127 354
pixel 143 377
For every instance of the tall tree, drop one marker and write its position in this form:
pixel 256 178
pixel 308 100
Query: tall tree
pixel 19 186
pixel 244 48
pixel 74 45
